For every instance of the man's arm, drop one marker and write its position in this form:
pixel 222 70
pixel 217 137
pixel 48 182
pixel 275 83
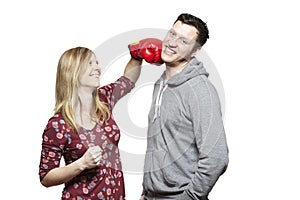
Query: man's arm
pixel 210 140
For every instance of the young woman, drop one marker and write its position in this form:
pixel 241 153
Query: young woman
pixel 83 130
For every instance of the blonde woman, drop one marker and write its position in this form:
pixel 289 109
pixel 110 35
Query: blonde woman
pixel 83 131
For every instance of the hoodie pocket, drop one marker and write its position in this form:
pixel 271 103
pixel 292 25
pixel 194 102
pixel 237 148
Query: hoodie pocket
pixel 168 179
pixel 178 172
pixel 170 171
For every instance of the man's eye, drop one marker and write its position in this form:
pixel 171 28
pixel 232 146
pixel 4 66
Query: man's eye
pixel 172 34
pixel 184 42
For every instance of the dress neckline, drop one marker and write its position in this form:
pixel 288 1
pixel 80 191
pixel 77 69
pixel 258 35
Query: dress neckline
pixel 87 129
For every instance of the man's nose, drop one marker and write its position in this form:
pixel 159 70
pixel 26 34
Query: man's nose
pixel 173 41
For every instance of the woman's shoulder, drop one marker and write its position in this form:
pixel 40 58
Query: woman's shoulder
pixel 57 122
pixel 56 117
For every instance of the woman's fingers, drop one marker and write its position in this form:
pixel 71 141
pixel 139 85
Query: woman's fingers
pixel 96 153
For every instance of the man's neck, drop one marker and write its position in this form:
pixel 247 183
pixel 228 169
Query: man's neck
pixel 172 70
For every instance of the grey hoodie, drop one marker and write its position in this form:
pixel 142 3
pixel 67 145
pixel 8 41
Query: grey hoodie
pixel 186 144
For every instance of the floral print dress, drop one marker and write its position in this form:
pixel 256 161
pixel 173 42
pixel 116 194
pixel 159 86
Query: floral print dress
pixel 104 182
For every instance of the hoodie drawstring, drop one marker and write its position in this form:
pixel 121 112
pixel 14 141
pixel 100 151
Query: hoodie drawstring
pixel 162 87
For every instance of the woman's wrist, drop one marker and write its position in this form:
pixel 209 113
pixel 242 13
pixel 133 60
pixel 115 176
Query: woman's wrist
pixel 80 165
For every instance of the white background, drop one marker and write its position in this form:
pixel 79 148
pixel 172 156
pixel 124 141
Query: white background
pixel 254 45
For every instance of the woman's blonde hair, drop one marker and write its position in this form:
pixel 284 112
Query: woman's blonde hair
pixel 70 64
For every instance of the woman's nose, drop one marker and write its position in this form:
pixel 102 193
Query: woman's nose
pixel 97 66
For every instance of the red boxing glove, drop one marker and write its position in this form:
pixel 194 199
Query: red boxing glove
pixel 148 49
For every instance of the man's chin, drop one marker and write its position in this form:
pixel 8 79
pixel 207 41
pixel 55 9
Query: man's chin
pixel 167 58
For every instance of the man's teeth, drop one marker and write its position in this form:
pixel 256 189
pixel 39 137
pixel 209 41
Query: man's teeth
pixel 168 50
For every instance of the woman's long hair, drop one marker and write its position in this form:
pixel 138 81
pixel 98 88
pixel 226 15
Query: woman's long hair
pixel 69 66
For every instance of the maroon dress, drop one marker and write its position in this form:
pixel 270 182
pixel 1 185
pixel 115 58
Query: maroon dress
pixel 103 182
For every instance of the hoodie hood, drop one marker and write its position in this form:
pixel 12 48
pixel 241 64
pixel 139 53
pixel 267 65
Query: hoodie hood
pixel 193 69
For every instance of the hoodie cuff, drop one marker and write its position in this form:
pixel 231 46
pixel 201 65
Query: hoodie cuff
pixel 185 196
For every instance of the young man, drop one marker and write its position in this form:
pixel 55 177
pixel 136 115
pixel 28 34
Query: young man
pixel 186 146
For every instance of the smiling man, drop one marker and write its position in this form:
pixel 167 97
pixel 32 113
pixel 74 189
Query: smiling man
pixel 186 144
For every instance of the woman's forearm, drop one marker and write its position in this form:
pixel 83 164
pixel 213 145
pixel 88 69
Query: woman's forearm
pixel 62 175
pixel 133 70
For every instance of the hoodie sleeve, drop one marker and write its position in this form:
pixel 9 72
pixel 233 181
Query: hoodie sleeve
pixel 210 138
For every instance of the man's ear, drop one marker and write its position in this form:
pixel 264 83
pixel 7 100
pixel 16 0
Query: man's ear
pixel 196 51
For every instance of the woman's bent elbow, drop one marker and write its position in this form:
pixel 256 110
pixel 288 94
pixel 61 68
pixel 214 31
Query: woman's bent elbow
pixel 45 183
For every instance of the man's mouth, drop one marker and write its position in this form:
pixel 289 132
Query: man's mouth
pixel 169 51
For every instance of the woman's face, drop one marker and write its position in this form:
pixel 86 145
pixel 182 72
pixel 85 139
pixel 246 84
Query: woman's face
pixel 90 77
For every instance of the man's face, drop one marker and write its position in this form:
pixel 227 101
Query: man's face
pixel 178 45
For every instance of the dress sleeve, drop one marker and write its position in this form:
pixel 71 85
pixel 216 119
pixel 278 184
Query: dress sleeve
pixel 111 93
pixel 53 141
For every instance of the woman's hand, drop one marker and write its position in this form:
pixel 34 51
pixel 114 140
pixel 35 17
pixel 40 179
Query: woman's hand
pixel 91 158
